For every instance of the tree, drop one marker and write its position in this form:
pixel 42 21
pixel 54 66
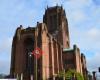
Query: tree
pixel 70 74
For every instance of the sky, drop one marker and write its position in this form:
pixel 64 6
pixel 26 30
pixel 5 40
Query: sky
pixel 83 20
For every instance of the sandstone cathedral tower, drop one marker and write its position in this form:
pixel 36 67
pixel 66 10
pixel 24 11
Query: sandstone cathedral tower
pixel 52 38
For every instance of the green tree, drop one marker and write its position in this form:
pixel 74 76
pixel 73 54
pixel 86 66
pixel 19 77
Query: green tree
pixel 70 73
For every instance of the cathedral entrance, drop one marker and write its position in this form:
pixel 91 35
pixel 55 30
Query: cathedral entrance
pixel 29 66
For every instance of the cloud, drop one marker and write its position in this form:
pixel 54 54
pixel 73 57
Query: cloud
pixel 87 40
pixel 94 62
pixel 77 16
pixel 94 34
pixel 17 12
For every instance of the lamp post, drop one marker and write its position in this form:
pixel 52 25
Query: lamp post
pixel 30 65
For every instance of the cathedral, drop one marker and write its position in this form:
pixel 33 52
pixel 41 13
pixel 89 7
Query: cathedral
pixel 43 51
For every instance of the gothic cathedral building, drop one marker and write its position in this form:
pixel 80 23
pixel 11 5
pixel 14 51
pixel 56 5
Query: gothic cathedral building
pixel 51 38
